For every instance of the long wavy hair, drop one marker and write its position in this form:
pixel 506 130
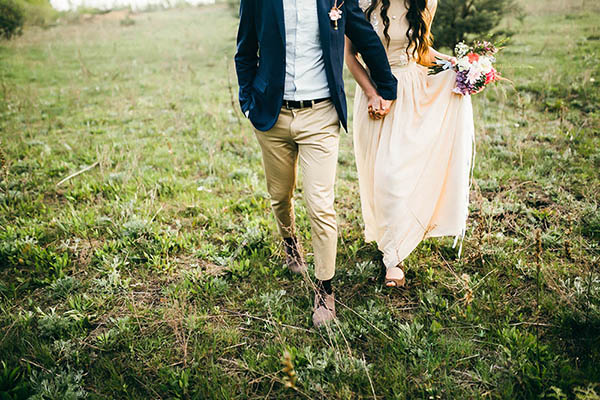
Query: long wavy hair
pixel 419 20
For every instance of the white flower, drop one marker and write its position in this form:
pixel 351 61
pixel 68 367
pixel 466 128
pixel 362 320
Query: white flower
pixel 463 64
pixel 461 50
pixel 486 65
pixel 474 73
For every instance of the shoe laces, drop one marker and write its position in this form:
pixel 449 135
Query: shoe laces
pixel 322 298
pixel 292 250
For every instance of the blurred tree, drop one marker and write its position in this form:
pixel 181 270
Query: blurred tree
pixel 38 12
pixel 459 20
pixel 11 19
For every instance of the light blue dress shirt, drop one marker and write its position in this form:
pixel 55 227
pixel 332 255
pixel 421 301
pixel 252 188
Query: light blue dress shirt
pixel 305 77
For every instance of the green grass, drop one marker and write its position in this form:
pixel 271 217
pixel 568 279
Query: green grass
pixel 157 273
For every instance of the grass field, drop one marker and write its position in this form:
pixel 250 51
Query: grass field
pixel 156 273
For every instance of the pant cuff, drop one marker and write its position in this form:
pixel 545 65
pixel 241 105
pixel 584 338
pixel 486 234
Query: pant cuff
pixel 325 276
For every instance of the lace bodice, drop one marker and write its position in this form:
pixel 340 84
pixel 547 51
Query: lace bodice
pixel 398 27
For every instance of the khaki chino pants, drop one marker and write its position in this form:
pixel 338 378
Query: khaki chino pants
pixel 310 135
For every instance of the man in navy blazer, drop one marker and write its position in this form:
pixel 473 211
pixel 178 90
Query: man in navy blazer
pixel 289 62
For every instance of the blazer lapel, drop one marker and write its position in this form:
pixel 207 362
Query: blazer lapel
pixel 278 6
pixel 323 8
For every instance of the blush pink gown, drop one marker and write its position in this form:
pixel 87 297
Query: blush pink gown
pixel 413 166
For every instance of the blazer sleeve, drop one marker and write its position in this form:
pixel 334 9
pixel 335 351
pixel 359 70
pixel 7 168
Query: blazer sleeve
pixel 366 41
pixel 246 56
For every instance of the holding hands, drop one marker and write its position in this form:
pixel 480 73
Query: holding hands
pixel 378 107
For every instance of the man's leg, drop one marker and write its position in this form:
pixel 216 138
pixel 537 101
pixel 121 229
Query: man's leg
pixel 280 155
pixel 316 131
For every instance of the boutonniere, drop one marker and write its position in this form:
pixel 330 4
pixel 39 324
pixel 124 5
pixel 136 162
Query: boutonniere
pixel 335 13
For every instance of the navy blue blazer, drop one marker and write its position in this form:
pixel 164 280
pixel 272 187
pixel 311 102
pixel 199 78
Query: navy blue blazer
pixel 260 57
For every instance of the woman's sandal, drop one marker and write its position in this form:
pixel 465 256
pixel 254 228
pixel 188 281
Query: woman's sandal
pixel 394 277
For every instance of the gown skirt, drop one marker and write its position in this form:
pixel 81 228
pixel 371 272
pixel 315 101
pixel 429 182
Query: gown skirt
pixel 414 166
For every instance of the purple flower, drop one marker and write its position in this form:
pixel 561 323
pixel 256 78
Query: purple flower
pixel 462 83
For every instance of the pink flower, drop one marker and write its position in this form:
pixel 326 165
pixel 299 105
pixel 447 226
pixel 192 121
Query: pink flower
pixel 491 76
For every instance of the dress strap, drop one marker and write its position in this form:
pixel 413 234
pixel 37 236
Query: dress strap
pixel 364 4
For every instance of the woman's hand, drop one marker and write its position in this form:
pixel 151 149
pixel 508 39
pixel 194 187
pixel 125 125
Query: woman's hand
pixel 434 54
pixel 386 106
pixel 452 60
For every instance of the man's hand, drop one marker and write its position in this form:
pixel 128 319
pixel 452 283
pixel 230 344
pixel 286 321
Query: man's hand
pixel 378 107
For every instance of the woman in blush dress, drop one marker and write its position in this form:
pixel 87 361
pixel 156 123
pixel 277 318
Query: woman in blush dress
pixel 413 164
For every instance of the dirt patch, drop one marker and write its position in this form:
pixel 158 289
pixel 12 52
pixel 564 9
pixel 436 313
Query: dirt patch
pixel 112 15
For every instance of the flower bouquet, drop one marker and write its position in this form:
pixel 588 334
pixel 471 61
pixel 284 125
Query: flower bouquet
pixel 474 67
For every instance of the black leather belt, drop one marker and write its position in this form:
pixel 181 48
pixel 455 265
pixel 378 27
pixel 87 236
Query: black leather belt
pixel 290 104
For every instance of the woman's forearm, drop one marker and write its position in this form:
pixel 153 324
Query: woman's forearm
pixel 358 71
pixel 434 54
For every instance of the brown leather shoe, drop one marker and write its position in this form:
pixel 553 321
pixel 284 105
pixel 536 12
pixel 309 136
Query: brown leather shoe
pixel 293 257
pixel 324 311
